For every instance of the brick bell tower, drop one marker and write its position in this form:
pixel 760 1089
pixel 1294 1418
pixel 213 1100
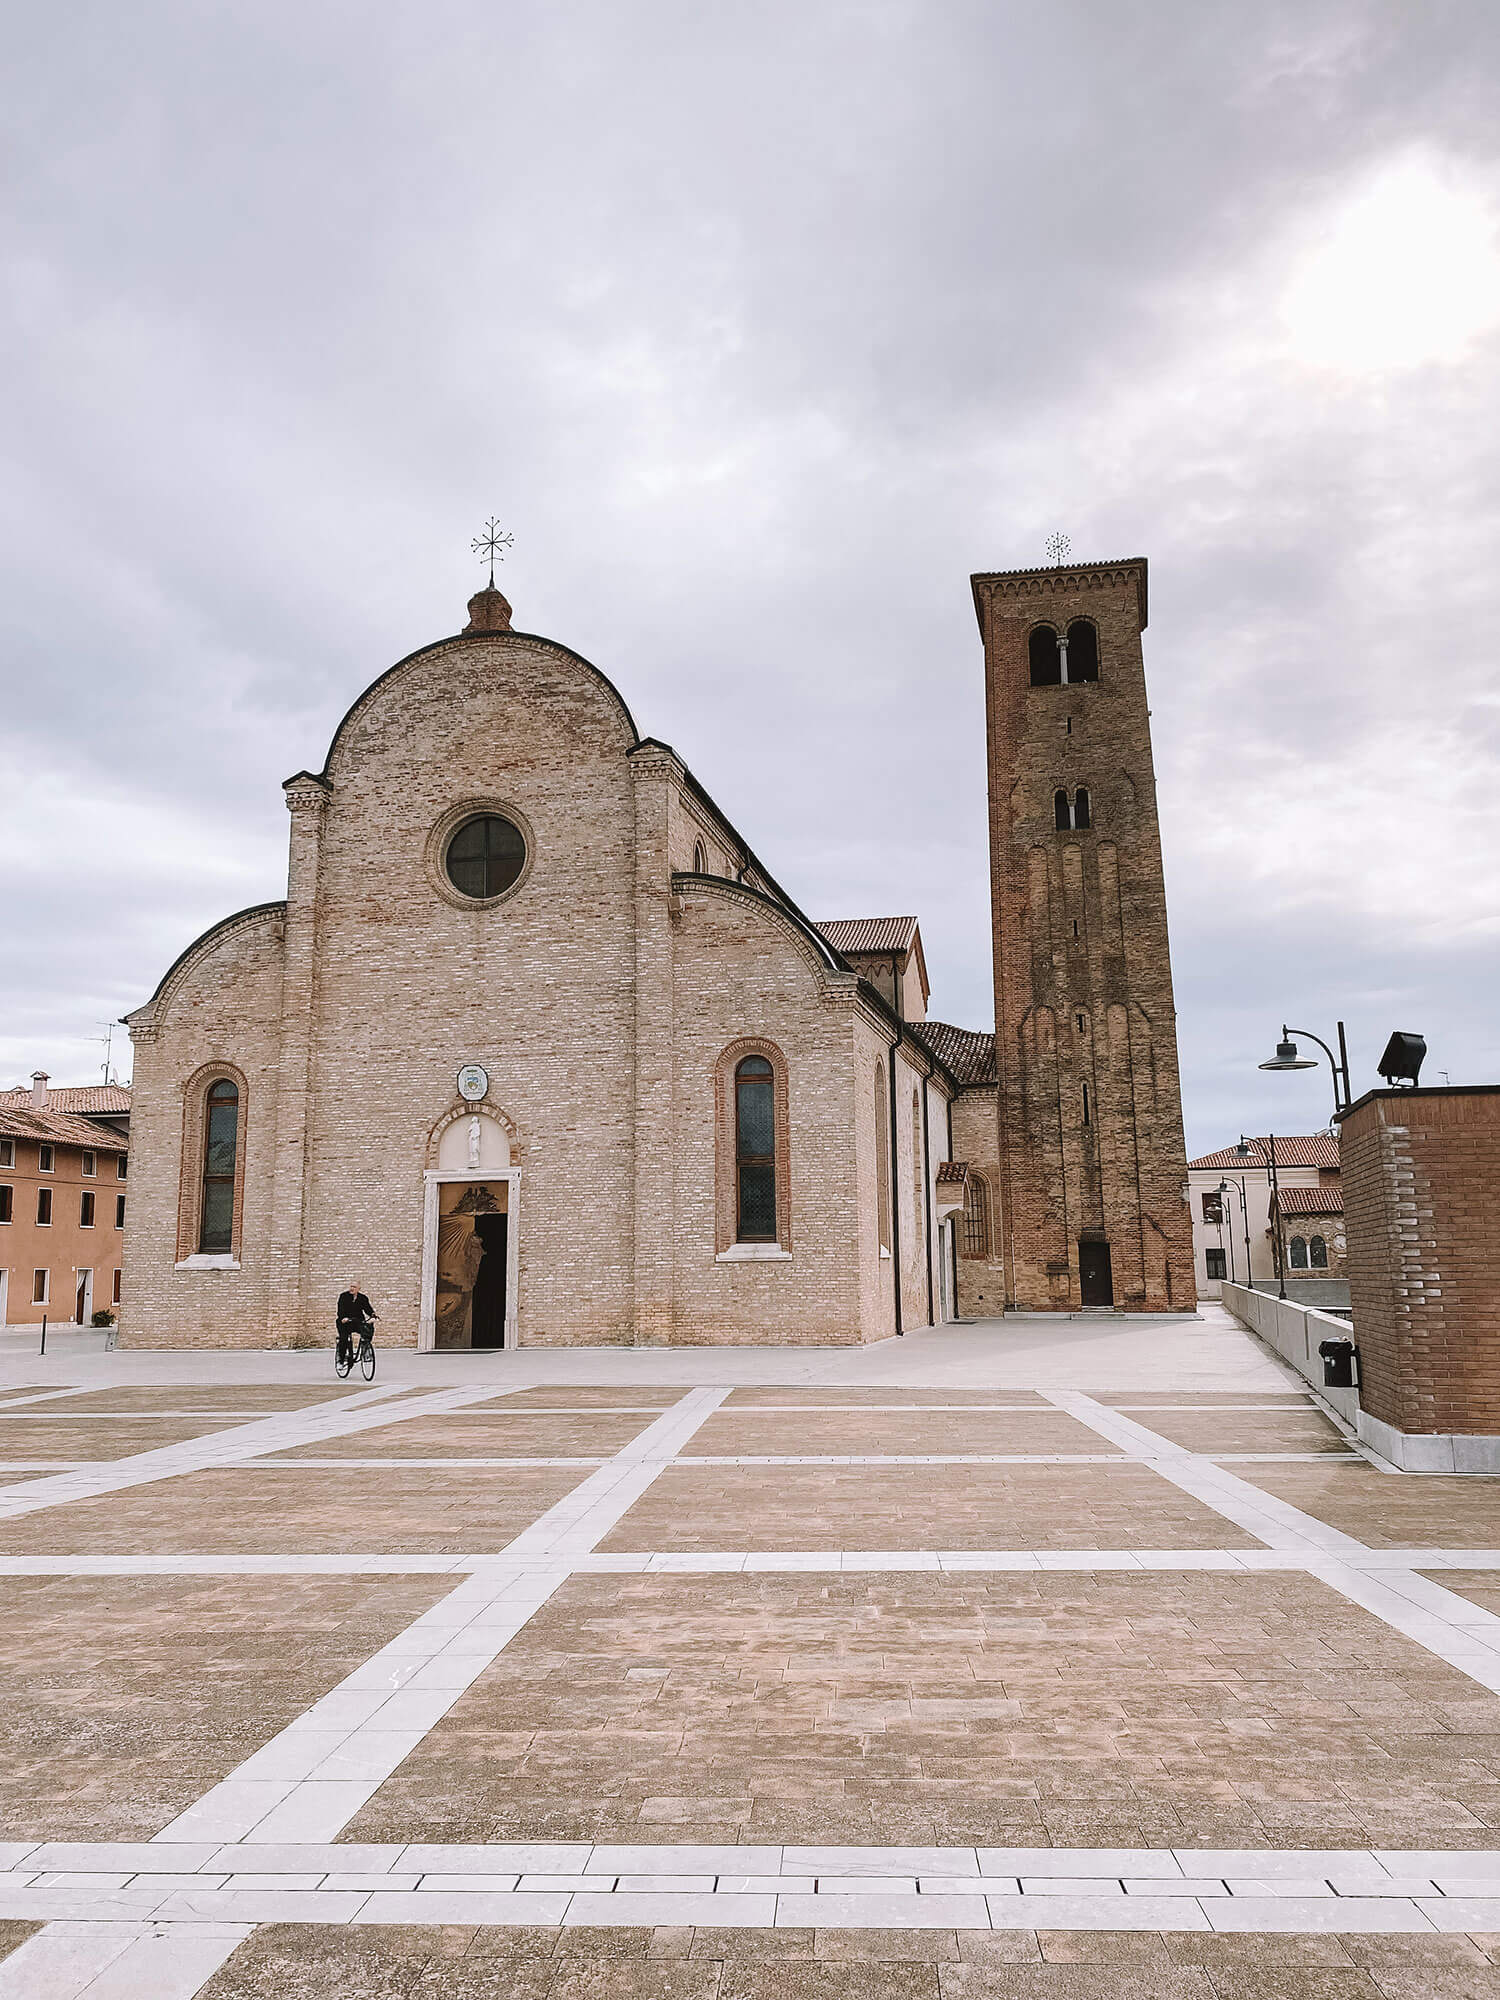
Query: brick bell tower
pixel 1093 1170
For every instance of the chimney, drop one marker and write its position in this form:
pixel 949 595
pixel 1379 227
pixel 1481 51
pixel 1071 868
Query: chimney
pixel 39 1090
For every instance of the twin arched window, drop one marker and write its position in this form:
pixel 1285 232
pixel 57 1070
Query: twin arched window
pixel 755 1151
pixel 1068 813
pixel 1305 1255
pixel 1061 658
pixel 221 1145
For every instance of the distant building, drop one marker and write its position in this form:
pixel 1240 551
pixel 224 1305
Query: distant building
pixel 62 1202
pixel 1311 1221
pixel 1307 1166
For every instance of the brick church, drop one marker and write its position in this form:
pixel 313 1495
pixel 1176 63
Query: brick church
pixel 538 1050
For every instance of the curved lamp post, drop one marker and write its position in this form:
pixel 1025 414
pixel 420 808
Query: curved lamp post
pixel 1247 1150
pixel 1287 1057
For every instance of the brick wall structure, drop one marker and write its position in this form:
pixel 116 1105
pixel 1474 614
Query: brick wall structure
pixel 599 992
pixel 1090 1146
pixel 1420 1170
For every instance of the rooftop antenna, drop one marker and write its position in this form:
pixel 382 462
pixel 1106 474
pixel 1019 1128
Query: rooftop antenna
pixel 107 1038
pixel 1059 548
pixel 491 546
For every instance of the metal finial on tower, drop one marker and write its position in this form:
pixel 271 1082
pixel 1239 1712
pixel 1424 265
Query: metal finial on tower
pixel 491 546
pixel 1059 548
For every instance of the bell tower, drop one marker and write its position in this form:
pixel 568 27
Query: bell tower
pixel 1093 1170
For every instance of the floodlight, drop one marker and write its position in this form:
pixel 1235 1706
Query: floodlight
pixel 1402 1061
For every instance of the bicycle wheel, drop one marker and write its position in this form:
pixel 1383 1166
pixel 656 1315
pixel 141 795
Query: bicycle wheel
pixel 367 1359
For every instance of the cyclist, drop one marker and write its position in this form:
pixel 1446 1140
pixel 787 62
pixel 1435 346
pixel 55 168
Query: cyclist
pixel 354 1314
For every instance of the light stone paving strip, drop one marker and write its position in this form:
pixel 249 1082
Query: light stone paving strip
pixel 311 1780
pixel 118 1961
pixel 885 1888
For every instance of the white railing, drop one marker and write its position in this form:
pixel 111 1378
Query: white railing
pixel 1294 1332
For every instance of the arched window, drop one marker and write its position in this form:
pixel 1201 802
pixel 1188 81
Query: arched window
pixel 1083 650
pixel 700 858
pixel 1045 656
pixel 221 1141
pixel 882 1159
pixel 1081 807
pixel 1298 1249
pixel 755 1151
pixel 1062 815
pixel 975 1241
pixel 1317 1252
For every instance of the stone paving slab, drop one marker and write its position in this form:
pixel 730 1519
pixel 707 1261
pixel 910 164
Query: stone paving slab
pixel 497 1434
pixel 14 1931
pixel 764 1508
pixel 251 1397
pixel 574 1396
pixel 880 1396
pixel 1195 1710
pixel 898 1434
pixel 698 1962
pixel 72 1440
pixel 1416 1510
pixel 272 1511
pixel 1200 1399
pixel 126 1698
pixel 1215 1432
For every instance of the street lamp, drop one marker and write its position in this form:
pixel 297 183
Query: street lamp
pixel 1286 1057
pixel 1246 1151
pixel 1227 1186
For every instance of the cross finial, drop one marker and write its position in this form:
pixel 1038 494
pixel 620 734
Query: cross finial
pixel 491 546
pixel 1059 548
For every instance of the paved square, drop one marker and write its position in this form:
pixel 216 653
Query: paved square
pixel 493 1683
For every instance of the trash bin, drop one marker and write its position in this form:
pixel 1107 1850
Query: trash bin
pixel 1340 1364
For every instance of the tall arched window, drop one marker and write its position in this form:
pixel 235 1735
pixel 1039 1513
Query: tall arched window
pixel 221 1140
pixel 1298 1249
pixel 1317 1253
pixel 1045 656
pixel 700 858
pixel 1062 815
pixel 755 1151
pixel 976 1233
pixel 882 1159
pixel 1081 807
pixel 1083 650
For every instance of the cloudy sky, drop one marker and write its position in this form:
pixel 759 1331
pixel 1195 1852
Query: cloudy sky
pixel 762 326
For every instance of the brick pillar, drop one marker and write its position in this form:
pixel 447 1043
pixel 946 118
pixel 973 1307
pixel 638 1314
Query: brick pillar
pixel 1419 1170
pixel 653 771
pixel 289 1312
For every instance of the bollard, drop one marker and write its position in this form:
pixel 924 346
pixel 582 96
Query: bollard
pixel 44 1333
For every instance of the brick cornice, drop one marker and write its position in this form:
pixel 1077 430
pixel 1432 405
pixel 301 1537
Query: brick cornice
pixel 1071 579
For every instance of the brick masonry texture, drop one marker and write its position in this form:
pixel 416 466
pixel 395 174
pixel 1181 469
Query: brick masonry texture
pixel 600 994
pixel 1083 981
pixel 1418 1168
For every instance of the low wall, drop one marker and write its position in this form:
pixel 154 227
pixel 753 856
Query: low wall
pixel 1294 1332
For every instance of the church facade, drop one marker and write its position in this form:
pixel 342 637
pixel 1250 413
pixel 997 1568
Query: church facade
pixel 538 1051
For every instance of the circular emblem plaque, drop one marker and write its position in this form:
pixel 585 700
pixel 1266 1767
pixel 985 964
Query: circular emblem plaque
pixel 473 1083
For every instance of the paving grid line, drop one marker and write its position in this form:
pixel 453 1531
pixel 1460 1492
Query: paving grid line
pixel 565 1883
pixel 472 1461
pixel 311 1779
pixel 1448 1626
pixel 117 1960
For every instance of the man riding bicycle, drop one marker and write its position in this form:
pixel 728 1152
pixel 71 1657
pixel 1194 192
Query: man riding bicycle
pixel 355 1315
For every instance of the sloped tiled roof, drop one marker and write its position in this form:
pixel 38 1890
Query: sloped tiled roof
pixel 968 1052
pixel 81 1097
pixel 862 934
pixel 951 1172
pixel 58 1128
pixel 1310 1201
pixel 1315 1149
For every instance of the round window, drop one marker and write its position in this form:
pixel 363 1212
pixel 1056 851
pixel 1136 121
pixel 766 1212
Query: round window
pixel 485 856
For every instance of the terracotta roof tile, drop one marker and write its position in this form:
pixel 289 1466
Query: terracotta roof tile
pixel 79 1097
pixel 1310 1201
pixel 967 1052
pixel 865 934
pixel 59 1128
pixel 1313 1149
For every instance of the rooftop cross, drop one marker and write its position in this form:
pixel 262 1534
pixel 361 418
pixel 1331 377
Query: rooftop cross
pixel 1059 548
pixel 491 546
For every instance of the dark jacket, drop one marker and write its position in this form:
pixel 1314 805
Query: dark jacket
pixel 354 1309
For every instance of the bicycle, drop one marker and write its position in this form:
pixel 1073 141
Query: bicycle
pixel 345 1352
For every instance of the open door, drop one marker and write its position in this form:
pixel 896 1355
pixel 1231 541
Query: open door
pixel 84 1302
pixel 1096 1284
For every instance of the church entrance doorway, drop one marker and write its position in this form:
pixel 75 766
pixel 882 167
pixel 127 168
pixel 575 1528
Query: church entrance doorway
pixel 487 1313
pixel 1096 1285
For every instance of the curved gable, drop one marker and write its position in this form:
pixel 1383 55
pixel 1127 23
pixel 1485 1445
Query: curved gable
pixel 198 953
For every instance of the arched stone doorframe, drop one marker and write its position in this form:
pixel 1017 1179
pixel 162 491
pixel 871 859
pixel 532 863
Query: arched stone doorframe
pixel 481 1165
